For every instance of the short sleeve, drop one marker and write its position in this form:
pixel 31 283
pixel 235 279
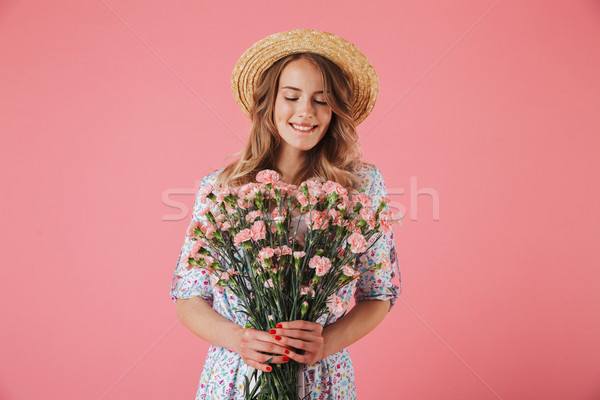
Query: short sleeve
pixel 377 284
pixel 193 282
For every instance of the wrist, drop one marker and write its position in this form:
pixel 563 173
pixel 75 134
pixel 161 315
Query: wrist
pixel 235 336
pixel 327 344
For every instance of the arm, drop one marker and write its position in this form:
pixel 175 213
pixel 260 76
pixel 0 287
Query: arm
pixel 318 343
pixel 200 318
pixel 362 319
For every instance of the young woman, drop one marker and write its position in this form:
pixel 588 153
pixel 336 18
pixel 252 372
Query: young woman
pixel 305 92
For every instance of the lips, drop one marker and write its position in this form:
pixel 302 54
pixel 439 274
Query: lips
pixel 303 127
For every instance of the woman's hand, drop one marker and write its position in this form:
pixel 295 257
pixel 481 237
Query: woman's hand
pixel 251 345
pixel 304 340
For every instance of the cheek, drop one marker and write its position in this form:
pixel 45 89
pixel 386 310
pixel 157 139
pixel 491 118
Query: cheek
pixel 281 112
pixel 326 117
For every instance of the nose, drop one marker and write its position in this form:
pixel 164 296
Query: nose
pixel 306 108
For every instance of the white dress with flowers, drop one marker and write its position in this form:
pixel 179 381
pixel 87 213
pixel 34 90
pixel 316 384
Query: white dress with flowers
pixel 331 378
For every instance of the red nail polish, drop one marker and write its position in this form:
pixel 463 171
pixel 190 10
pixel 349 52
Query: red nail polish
pixel 286 351
pixel 277 337
pixel 272 331
pixel 279 326
pixel 269 369
pixel 286 359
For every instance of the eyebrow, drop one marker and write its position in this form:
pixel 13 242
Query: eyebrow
pixel 298 90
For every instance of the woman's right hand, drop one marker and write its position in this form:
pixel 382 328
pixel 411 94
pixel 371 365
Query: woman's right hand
pixel 252 344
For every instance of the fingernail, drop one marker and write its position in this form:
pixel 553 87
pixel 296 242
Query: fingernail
pixel 272 331
pixel 277 337
pixel 286 359
pixel 269 369
pixel 279 326
pixel 286 351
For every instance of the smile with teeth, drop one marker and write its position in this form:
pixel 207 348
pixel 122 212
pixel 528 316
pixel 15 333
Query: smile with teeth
pixel 303 128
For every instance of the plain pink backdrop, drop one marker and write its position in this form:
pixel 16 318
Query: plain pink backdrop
pixel 111 111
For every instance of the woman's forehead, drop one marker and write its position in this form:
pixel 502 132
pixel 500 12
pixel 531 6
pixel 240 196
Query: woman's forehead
pixel 301 77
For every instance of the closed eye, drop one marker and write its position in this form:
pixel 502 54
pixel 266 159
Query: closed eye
pixel 316 101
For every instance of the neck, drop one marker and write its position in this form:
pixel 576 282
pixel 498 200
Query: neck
pixel 289 163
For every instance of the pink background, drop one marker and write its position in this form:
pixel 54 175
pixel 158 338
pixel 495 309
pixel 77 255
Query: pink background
pixel 490 108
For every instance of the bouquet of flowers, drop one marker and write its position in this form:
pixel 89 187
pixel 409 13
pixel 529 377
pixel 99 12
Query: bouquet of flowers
pixel 253 243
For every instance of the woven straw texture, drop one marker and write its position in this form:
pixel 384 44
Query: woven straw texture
pixel 261 55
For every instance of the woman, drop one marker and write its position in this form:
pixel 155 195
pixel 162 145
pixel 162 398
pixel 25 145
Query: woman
pixel 312 88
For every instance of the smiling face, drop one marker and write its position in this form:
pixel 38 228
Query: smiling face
pixel 301 114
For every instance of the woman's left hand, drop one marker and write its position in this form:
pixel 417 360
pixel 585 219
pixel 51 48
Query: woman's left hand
pixel 301 335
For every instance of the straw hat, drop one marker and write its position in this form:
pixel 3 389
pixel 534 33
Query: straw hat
pixel 262 54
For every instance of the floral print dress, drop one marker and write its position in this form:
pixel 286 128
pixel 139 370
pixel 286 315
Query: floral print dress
pixel 223 376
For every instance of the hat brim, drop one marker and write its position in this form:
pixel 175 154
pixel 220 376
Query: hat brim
pixel 264 53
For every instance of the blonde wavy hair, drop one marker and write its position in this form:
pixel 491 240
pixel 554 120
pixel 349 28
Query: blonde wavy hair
pixel 333 158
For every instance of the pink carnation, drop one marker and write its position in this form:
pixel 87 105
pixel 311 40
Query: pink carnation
pixel 198 244
pixel 267 176
pixel 299 254
pixel 252 215
pixel 385 220
pixel 386 264
pixel 219 217
pixel 208 229
pixel 349 271
pixel 204 191
pixel 204 210
pixel 226 275
pixel 361 198
pixel 278 216
pixel 302 199
pixel 286 250
pixel 269 283
pixel 320 264
pixel 369 216
pixel 184 261
pixel 336 304
pixel 330 187
pixel 242 204
pixel 316 219
pixel 242 236
pixel 266 252
pixel 249 191
pixel 258 230
pixel 307 290
pixel 207 259
pixel 222 194
pixel 214 281
pixel 190 230
pixel 357 243
pixel 335 217
pixel 315 189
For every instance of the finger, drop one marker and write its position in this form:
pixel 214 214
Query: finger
pixel 279 359
pixel 302 325
pixel 311 345
pixel 272 346
pixel 254 335
pixel 296 334
pixel 264 360
pixel 302 358
pixel 259 366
